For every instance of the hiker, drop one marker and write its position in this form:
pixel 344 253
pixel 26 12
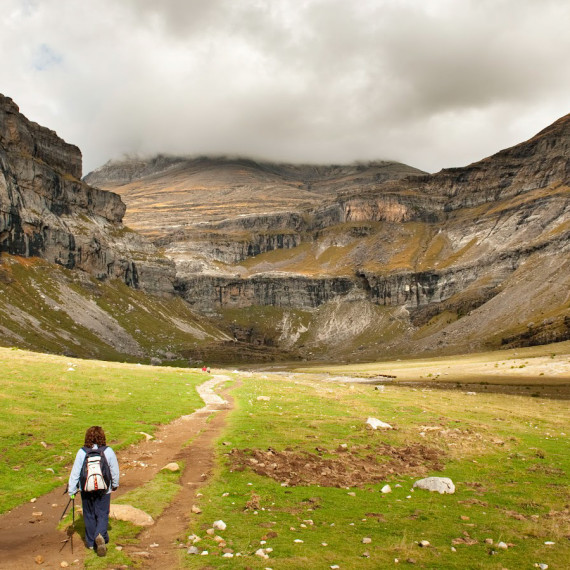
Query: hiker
pixel 95 474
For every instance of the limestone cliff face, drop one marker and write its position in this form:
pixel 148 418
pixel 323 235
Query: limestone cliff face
pixel 290 236
pixel 47 211
pixel 537 163
pixel 304 258
pixel 451 243
pixel 206 292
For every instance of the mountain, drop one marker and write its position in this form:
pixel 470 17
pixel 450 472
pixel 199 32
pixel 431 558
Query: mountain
pixel 368 260
pixel 231 259
pixel 47 211
pixel 73 279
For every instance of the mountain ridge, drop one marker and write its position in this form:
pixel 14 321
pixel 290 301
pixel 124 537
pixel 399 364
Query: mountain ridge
pixel 241 260
pixel 431 244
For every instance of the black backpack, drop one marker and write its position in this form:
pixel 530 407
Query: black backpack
pixel 95 473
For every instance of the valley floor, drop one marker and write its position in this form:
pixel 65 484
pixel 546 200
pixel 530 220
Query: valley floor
pixel 292 464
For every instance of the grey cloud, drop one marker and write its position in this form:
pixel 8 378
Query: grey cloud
pixel 433 84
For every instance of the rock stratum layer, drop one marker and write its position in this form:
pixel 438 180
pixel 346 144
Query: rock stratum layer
pixel 47 211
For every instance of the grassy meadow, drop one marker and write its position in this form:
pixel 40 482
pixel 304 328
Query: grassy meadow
pixel 538 370
pixel 47 402
pixel 300 474
pixel 508 456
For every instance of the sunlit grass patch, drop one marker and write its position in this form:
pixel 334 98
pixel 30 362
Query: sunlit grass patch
pixel 50 401
pixel 500 451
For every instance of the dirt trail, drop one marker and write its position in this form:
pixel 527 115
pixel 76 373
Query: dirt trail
pixel 25 536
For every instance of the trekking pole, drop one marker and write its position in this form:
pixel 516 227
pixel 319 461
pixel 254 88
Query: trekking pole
pixel 67 507
pixel 73 521
pixel 71 529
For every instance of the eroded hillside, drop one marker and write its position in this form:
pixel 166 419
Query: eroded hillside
pixel 344 262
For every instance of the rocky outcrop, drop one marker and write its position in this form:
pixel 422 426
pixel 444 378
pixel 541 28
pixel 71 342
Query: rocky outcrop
pixel 211 292
pixel 23 137
pixel 539 162
pixel 47 211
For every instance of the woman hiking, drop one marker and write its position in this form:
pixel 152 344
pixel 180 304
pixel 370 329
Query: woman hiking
pixel 95 473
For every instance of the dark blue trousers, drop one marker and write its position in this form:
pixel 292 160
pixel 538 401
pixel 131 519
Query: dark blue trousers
pixel 95 515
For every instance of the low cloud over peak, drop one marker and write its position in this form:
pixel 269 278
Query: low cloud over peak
pixel 432 84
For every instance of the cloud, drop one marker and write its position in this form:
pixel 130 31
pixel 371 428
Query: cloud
pixel 433 84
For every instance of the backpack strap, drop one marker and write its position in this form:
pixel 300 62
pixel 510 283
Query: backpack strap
pixel 100 449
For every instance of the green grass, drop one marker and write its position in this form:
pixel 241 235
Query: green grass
pixel 506 455
pixel 152 498
pixel 45 408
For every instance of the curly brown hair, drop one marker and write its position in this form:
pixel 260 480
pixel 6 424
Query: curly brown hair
pixel 95 435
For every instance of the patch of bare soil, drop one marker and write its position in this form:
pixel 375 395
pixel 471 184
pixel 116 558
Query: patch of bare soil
pixel 33 541
pixel 341 467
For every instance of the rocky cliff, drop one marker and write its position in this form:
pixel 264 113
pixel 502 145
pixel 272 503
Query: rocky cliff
pixel 47 211
pixel 443 247
pixel 266 261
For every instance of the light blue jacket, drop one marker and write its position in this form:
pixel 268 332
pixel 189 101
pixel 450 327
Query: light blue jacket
pixel 73 484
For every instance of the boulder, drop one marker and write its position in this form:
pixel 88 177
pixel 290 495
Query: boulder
pixel 375 423
pixel 171 467
pixel 440 484
pixel 130 514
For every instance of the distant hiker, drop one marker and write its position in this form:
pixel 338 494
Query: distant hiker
pixel 95 473
pixel 204 368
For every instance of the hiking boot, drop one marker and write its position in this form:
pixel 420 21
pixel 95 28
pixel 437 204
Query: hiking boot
pixel 100 546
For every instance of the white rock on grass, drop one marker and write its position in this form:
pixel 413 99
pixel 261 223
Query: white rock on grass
pixel 386 489
pixel 130 514
pixel 375 423
pixel 219 525
pixel 424 543
pixel 171 467
pixel 440 484
pixel 261 553
pixel 366 540
pixel 502 546
pixel 263 398
pixel 147 435
pixel 193 550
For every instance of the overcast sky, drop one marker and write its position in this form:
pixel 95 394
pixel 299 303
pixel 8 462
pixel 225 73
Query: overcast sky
pixel 432 83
